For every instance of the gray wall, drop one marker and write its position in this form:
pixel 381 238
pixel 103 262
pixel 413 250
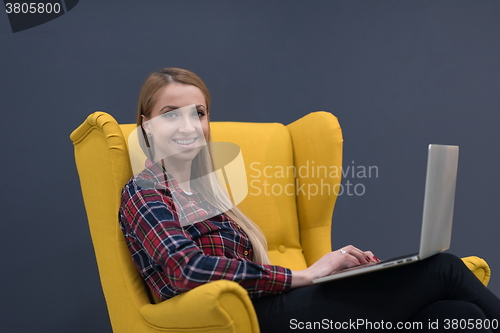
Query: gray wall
pixel 398 74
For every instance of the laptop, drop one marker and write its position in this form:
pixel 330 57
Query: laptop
pixel 437 219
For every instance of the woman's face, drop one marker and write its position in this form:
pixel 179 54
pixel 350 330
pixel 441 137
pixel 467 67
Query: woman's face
pixel 178 123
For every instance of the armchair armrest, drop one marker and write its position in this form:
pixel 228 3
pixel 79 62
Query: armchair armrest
pixel 219 306
pixel 479 267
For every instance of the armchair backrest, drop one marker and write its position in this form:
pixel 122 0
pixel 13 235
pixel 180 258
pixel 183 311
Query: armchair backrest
pixel 293 176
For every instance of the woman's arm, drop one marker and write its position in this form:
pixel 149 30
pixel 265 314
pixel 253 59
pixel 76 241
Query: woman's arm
pixel 149 215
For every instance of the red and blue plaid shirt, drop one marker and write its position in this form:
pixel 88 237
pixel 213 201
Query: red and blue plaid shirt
pixel 173 259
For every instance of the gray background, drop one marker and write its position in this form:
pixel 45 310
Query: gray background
pixel 398 74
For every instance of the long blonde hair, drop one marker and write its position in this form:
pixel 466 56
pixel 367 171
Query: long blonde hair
pixel 202 164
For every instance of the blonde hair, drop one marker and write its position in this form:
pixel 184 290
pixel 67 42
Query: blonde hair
pixel 209 187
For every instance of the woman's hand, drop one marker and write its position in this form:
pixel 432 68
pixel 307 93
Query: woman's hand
pixel 346 257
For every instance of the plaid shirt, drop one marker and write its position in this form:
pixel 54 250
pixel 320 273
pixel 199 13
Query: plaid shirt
pixel 173 259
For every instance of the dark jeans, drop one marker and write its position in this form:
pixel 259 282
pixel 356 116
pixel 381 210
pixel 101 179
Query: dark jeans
pixel 437 293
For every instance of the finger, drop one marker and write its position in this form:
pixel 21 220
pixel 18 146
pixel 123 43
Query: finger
pixel 346 259
pixel 371 256
pixel 349 261
pixel 360 255
pixel 374 257
pixel 353 260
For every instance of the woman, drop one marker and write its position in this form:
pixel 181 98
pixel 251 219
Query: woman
pixel 183 231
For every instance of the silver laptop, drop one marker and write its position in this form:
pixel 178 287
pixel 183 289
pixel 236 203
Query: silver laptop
pixel 437 219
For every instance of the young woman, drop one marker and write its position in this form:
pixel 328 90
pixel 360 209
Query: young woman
pixel 183 231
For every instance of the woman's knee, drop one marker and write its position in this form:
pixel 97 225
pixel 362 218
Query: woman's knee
pixel 447 260
pixel 441 316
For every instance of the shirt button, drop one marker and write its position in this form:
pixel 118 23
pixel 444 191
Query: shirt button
pixel 245 253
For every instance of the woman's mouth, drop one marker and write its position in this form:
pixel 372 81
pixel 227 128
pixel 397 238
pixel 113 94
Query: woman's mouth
pixel 186 143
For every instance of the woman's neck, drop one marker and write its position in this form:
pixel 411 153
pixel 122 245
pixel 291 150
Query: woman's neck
pixel 181 173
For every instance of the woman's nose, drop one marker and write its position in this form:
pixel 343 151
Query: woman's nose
pixel 188 124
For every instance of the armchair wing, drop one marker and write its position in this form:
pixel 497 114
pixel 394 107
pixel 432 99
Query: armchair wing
pixel 104 168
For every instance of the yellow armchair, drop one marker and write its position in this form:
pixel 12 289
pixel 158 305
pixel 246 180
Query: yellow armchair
pixel 292 207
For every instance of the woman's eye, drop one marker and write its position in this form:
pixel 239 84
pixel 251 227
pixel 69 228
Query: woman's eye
pixel 200 113
pixel 169 115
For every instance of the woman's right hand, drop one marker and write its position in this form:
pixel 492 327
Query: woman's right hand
pixel 346 257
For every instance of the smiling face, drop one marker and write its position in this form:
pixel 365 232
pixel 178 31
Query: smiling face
pixel 178 124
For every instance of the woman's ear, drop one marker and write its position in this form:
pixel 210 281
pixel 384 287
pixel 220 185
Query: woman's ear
pixel 145 124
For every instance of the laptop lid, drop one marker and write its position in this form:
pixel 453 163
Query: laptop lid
pixel 442 165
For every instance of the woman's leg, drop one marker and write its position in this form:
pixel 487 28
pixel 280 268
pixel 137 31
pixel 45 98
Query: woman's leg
pixel 452 316
pixel 388 296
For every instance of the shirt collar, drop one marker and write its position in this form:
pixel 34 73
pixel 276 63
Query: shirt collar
pixel 162 177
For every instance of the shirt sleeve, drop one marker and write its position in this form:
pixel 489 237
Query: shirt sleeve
pixel 150 214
